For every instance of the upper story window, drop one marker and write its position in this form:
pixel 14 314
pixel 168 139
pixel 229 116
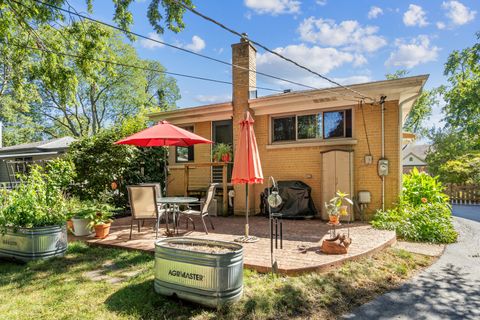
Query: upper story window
pixel 315 126
pixel 185 154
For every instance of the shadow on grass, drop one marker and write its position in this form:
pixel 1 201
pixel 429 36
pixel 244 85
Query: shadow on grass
pixel 140 300
pixel 79 258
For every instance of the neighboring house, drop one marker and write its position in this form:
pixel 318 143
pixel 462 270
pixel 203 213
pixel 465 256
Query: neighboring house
pixel 325 138
pixel 413 156
pixel 17 158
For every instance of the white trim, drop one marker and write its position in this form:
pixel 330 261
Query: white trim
pixel 15 155
pixel 324 143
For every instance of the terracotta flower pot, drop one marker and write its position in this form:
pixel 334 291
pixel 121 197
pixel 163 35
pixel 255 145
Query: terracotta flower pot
pixel 226 157
pixel 70 225
pixel 102 230
pixel 334 219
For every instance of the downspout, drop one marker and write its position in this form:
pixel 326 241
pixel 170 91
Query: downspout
pixel 382 105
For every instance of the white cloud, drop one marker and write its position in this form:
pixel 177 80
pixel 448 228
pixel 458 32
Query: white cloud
pixel 375 12
pixel 322 60
pixel 212 98
pixel 458 13
pixel 321 2
pixel 197 44
pixel 149 44
pixel 441 25
pixel 409 54
pixel 274 7
pixel 348 34
pixel 415 16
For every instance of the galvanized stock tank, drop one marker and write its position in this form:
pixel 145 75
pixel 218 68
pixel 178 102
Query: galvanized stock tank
pixel 210 279
pixel 36 243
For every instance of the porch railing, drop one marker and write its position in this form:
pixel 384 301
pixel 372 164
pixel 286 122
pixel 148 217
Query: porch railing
pixel 210 165
pixel 465 194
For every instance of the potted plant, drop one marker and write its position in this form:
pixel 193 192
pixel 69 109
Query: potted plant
pixel 32 218
pixel 100 218
pixel 336 208
pixel 73 206
pixel 81 222
pixel 222 152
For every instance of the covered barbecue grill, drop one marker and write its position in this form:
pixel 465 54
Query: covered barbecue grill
pixel 296 200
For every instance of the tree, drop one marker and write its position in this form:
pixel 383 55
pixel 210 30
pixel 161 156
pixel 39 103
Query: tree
pixel 462 95
pixel 448 145
pixel 464 169
pixel 80 96
pixel 421 110
pixel 160 13
pixel 22 111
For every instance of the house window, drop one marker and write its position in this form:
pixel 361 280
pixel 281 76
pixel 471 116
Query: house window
pixel 315 126
pixel 283 129
pixel 185 154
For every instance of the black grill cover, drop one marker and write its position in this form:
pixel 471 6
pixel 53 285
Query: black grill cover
pixel 296 200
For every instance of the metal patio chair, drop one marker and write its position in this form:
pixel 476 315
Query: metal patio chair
pixel 189 213
pixel 143 203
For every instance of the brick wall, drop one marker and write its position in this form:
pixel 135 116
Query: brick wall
pixel 305 163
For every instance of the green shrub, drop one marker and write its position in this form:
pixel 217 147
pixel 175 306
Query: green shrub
pixel 419 188
pixel 37 202
pixel 423 213
pixel 99 162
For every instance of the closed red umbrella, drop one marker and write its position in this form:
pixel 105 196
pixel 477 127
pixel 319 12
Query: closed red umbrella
pixel 247 168
pixel 163 134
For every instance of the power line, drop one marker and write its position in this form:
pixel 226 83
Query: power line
pixel 136 66
pixel 242 35
pixel 168 44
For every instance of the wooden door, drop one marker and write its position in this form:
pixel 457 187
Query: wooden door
pixel 336 175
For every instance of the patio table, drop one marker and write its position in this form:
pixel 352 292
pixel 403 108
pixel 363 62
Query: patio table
pixel 172 203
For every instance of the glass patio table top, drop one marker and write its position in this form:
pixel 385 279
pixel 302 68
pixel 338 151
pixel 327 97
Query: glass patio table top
pixel 176 200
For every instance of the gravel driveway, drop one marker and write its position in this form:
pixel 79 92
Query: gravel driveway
pixel 449 289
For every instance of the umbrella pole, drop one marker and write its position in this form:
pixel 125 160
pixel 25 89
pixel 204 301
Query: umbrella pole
pixel 246 202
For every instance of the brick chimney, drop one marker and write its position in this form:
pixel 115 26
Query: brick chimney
pixel 244 82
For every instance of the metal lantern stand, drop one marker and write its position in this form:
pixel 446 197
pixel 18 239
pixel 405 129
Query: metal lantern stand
pixel 274 200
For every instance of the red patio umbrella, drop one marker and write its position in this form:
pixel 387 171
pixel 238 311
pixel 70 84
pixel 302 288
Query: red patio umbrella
pixel 247 168
pixel 161 135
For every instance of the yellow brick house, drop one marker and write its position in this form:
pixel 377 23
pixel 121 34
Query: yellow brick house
pixel 325 137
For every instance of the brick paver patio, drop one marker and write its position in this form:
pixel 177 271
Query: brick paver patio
pixel 291 260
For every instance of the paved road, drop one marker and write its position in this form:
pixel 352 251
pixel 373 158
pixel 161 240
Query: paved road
pixel 449 289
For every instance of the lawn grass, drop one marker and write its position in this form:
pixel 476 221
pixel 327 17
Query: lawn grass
pixel 62 288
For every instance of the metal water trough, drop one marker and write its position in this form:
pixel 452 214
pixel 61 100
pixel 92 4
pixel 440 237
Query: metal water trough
pixel 210 279
pixel 35 243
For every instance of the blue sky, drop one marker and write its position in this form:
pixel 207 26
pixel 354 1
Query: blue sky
pixel 350 41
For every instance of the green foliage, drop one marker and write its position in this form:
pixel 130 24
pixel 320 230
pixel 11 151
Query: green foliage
pixel 60 173
pixel 44 94
pixel 431 222
pixel 462 95
pixel 333 206
pixel 463 169
pixel 423 213
pixel 99 162
pixel 421 110
pixel 418 186
pixel 96 212
pixel 221 149
pixel 37 202
pixel 449 145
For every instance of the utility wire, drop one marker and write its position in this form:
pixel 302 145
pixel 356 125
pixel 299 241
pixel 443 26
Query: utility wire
pixel 135 66
pixel 244 36
pixel 75 13
pixel 168 44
